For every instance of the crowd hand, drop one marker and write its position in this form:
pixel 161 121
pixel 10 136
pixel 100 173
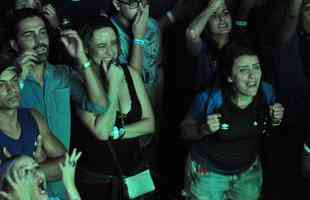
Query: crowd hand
pixel 74 45
pixel 139 25
pixel 276 112
pixel 6 153
pixel 50 13
pixel 214 5
pixel 25 62
pixel 68 168
pixel 22 185
pixel 39 154
pixel 213 124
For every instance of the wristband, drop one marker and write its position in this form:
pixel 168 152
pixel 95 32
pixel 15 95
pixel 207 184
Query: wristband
pixel 139 42
pixel 86 65
pixel 241 23
pixel 21 84
pixel 117 133
pixel 170 17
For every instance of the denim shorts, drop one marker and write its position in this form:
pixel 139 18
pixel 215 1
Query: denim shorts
pixel 202 184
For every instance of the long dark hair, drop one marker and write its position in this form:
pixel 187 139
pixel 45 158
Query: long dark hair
pixel 87 31
pixel 227 57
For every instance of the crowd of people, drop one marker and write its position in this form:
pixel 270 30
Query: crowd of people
pixel 180 99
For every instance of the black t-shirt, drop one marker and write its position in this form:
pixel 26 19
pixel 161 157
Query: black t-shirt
pixel 235 149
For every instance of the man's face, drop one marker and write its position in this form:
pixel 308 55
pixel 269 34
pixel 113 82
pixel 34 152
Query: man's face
pixel 129 8
pixel 305 17
pixel 103 46
pixel 32 36
pixel 26 165
pixel 9 89
pixel 19 4
pixel 246 75
pixel 220 23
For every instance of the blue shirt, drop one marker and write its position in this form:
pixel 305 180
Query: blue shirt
pixel 53 100
pixel 151 55
pixel 25 144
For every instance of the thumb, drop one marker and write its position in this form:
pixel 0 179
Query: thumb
pixel 6 153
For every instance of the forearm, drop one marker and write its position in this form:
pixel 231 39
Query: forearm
pixel 136 59
pixel 50 168
pixel 197 26
pixel 142 127
pixel 194 31
pixel 93 84
pixel 104 123
pixel 72 192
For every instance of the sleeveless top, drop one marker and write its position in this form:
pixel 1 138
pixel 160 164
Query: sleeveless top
pixel 25 144
pixel 97 157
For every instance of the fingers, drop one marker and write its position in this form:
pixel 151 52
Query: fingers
pixel 5 196
pixel 71 160
pixel 213 122
pixel 49 10
pixel 38 154
pixel 276 112
pixel 70 33
pixel 6 153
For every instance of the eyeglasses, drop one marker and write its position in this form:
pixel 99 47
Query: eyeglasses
pixel 133 4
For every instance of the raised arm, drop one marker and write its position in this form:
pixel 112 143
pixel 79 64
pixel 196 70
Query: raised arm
pixel 101 125
pixel 75 48
pixel 139 27
pixel 54 150
pixel 196 27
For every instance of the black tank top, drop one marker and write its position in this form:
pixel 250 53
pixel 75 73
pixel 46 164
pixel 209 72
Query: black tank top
pixel 97 157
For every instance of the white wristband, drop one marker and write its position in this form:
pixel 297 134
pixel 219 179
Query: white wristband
pixel 115 133
pixel 86 65
pixel 170 17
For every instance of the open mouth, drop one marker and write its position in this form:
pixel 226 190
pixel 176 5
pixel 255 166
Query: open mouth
pixel 252 84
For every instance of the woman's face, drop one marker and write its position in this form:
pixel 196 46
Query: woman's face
pixel 26 164
pixel 220 23
pixel 246 75
pixel 103 46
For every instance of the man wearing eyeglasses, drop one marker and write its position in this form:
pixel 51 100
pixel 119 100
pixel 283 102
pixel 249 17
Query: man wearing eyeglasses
pixel 132 13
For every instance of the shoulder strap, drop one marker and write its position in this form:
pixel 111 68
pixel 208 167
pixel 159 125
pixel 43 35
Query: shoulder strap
pixel 115 159
pixel 131 87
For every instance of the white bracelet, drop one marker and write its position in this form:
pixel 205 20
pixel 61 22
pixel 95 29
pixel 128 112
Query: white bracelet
pixel 86 65
pixel 115 133
pixel 170 16
pixel 306 148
